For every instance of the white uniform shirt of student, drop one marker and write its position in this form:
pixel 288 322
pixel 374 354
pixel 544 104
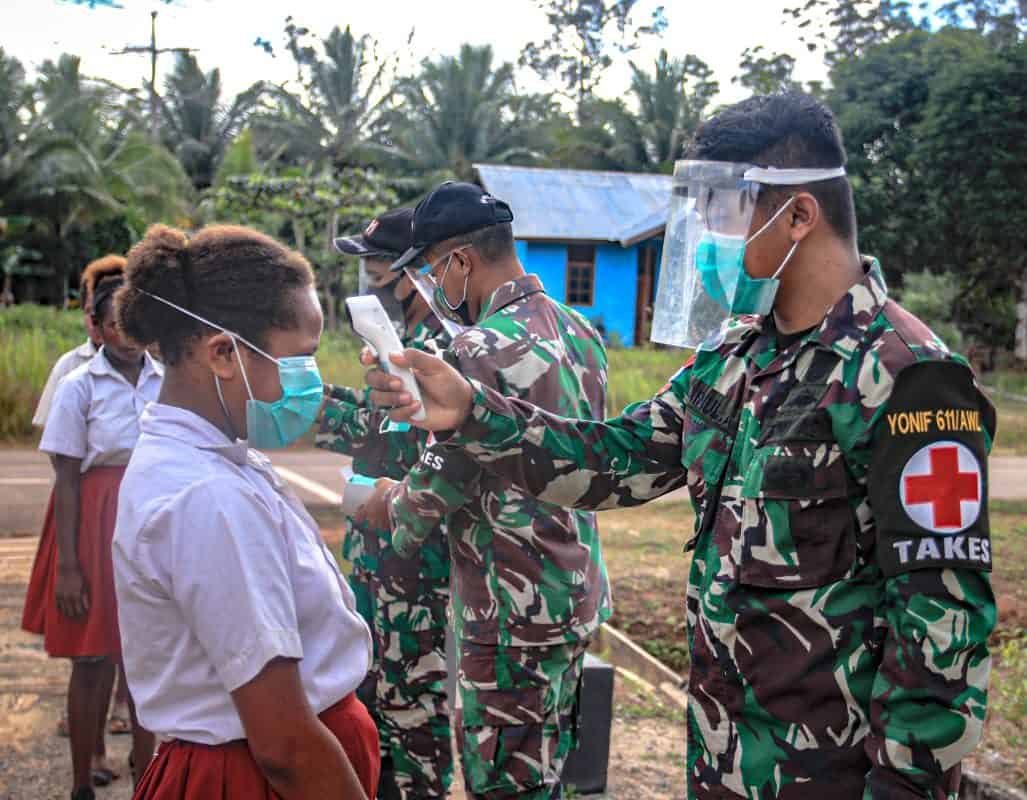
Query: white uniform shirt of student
pixel 219 569
pixel 95 412
pixel 65 364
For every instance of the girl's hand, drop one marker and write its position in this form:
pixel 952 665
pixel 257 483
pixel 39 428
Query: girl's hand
pixel 72 591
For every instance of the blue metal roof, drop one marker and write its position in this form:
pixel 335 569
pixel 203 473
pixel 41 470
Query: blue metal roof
pixel 580 205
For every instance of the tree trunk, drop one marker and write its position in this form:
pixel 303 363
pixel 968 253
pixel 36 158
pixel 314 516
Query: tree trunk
pixel 1020 348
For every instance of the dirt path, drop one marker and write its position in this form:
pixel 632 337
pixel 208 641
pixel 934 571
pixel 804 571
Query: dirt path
pixel 645 762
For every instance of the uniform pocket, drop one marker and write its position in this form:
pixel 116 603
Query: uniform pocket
pixel 798 526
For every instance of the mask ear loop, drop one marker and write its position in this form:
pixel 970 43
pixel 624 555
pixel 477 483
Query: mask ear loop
pixel 442 285
pixel 769 222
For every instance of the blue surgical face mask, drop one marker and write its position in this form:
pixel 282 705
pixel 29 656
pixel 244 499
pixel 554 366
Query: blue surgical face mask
pixel 272 426
pixel 720 260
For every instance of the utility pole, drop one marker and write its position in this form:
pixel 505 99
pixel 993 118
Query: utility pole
pixel 154 51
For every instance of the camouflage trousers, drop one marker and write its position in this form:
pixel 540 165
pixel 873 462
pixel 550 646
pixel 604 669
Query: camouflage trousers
pixel 518 718
pixel 406 610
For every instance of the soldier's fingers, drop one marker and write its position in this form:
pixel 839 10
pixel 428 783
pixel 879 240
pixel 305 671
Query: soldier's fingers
pixel 383 381
pixel 382 399
pixel 367 357
pixel 404 413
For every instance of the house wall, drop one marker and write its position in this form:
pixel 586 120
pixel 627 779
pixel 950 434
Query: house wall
pixel 616 279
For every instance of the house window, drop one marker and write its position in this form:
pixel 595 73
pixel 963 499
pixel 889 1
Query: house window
pixel 581 275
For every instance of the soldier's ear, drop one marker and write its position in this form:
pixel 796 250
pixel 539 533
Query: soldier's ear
pixel 803 216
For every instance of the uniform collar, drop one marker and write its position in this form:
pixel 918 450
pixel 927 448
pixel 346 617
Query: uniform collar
pixel 510 292
pixel 189 428
pixel 847 322
pixel 100 366
pixel 87 349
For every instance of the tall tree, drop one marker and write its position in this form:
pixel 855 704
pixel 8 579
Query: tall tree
pixel 1003 21
pixel 841 29
pixel 461 109
pixel 765 73
pixel 584 35
pixel 197 125
pixel 971 158
pixel 671 102
pixel 328 117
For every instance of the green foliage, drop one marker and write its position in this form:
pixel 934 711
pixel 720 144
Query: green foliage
pixel 326 120
pixel 196 125
pixel 31 340
pixel 932 297
pixel 460 110
pixel 1008 695
pixel 582 35
pixel 766 73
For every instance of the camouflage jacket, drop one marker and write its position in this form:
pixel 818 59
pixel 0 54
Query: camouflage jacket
pixel 838 603
pixel 350 426
pixel 524 572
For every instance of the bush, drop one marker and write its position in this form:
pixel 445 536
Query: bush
pixel 32 338
pixel 933 298
pixel 1009 689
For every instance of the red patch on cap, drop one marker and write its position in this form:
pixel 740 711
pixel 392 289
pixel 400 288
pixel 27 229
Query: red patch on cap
pixel 371 228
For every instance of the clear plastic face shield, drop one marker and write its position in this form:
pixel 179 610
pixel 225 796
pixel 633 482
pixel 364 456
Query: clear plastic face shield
pixel 703 281
pixel 425 286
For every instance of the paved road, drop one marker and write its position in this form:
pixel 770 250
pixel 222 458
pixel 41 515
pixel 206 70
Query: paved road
pixel 25 479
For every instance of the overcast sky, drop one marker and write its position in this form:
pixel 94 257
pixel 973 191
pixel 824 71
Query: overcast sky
pixel 224 31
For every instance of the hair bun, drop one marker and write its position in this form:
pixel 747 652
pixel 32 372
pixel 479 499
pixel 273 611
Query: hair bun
pixel 157 265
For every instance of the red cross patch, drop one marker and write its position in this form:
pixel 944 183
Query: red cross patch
pixel 941 487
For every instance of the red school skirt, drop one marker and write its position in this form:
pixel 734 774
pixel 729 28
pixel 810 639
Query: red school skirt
pixel 188 771
pixel 95 634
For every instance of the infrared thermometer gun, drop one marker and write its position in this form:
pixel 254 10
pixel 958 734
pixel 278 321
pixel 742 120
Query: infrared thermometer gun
pixel 370 322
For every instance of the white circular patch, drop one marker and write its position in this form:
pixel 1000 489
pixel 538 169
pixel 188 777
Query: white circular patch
pixel 942 488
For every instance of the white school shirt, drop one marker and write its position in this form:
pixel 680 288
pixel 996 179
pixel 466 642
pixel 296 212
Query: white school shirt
pixel 95 412
pixel 219 569
pixel 65 364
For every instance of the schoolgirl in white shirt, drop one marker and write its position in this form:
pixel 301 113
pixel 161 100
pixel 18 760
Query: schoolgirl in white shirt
pixel 242 644
pixel 90 432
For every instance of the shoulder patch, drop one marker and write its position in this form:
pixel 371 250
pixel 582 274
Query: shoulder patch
pixel 928 480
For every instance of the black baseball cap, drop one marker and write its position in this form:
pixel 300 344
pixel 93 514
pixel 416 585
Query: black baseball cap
pixel 452 209
pixel 387 235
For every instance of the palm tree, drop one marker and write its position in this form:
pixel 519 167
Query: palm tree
pixel 671 101
pixel 328 119
pixel 460 110
pixel 196 125
pixel 71 159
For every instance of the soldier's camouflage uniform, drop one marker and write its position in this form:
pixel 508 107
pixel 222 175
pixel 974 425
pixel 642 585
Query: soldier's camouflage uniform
pixel 839 601
pixel 529 582
pixel 403 601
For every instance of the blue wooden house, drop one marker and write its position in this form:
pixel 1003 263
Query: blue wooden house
pixel 594 238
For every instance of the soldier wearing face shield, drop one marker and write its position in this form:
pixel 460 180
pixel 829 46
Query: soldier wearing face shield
pixel 403 602
pixel 838 601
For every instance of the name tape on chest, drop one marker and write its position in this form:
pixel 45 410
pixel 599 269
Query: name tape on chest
pixel 928 479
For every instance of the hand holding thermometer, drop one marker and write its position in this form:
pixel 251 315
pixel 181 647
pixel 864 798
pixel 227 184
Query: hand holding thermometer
pixel 370 322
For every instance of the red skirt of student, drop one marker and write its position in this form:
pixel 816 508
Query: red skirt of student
pixel 95 634
pixel 188 771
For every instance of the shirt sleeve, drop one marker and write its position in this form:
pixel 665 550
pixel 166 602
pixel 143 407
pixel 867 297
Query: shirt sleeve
pixel 66 429
pixel 575 463
pixel 927 487
pixel 359 431
pixel 442 481
pixel 60 369
pixel 231 575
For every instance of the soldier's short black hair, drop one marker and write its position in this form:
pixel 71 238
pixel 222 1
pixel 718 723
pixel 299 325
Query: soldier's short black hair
pixel 789 129
pixel 494 243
